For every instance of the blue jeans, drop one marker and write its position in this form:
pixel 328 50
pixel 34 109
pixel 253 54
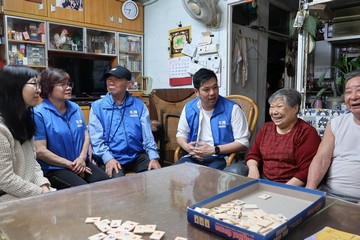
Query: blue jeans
pixel 239 168
pixel 211 161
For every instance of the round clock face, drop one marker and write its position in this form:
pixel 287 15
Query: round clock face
pixel 130 10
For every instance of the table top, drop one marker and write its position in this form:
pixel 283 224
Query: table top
pixel 156 197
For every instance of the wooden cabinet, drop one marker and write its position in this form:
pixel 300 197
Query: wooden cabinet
pixel 25 42
pixel 100 42
pixel 130 56
pixel 63 37
pixel 86 112
pixel 76 39
pixel 70 14
pixel 109 13
pixel 105 12
pixel 124 24
pixel 25 6
pixel 142 96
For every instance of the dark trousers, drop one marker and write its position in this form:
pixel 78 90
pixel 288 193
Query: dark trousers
pixel 211 161
pixel 239 168
pixel 140 164
pixel 65 178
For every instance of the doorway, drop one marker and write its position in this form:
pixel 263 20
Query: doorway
pixel 268 71
pixel 275 70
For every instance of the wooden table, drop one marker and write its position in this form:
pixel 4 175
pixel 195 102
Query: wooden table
pixel 156 197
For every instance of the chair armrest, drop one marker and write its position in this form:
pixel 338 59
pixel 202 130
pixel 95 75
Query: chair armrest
pixel 177 153
pixel 231 158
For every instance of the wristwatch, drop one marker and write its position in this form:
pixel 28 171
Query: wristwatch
pixel 217 150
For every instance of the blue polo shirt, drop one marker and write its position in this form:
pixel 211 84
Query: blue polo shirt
pixel 121 131
pixel 64 133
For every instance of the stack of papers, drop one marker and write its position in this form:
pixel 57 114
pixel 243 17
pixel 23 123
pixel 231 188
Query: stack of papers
pixel 333 234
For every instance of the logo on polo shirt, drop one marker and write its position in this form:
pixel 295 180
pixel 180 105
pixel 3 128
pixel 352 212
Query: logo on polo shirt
pixel 133 113
pixel 222 124
pixel 79 123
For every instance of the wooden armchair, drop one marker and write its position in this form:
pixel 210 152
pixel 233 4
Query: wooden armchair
pixel 251 112
pixel 166 106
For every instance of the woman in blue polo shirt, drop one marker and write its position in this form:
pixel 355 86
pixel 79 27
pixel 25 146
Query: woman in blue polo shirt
pixel 61 138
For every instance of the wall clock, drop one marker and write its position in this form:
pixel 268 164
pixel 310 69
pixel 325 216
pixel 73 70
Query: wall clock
pixel 130 9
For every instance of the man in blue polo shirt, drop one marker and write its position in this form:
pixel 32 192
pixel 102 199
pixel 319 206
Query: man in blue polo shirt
pixel 120 130
pixel 211 126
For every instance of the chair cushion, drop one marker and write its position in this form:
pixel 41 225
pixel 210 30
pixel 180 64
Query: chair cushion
pixel 319 117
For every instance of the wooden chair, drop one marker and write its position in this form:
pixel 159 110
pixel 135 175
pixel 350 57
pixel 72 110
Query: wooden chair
pixel 251 112
pixel 167 105
pixel 250 109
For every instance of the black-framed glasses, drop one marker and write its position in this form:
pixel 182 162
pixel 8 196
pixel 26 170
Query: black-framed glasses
pixel 35 82
pixel 65 85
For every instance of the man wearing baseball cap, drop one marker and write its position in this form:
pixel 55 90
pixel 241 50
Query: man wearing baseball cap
pixel 120 130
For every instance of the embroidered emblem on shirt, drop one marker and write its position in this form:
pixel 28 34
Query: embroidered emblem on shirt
pixel 222 124
pixel 133 113
pixel 79 123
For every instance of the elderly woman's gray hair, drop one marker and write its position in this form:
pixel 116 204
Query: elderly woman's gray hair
pixel 291 97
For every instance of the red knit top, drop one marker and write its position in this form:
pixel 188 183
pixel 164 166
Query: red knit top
pixel 284 156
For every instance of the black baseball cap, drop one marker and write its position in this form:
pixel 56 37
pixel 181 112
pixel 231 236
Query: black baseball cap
pixel 119 72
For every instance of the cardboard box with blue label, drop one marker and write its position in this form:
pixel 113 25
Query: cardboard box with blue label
pixel 259 209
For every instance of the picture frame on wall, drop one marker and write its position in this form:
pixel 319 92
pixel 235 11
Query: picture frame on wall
pixel 177 39
pixel 70 4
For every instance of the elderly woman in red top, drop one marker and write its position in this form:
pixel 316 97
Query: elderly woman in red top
pixel 283 149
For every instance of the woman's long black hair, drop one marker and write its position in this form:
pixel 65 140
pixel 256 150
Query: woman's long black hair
pixel 16 116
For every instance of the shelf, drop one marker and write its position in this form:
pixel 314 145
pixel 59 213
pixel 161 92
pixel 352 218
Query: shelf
pixel 32 66
pixel 26 42
pixel 130 53
pixel 344 39
pixel 131 56
pixel 315 92
pixel 100 42
pixel 65 38
pixel 36 66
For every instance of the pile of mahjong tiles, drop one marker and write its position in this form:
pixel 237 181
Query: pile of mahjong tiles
pixel 124 230
pixel 245 215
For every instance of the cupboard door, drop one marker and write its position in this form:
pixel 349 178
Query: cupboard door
pixel 25 42
pixel 86 112
pixel 100 12
pixel 130 56
pixel 124 24
pixel 65 12
pixel 28 7
pixel 63 37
